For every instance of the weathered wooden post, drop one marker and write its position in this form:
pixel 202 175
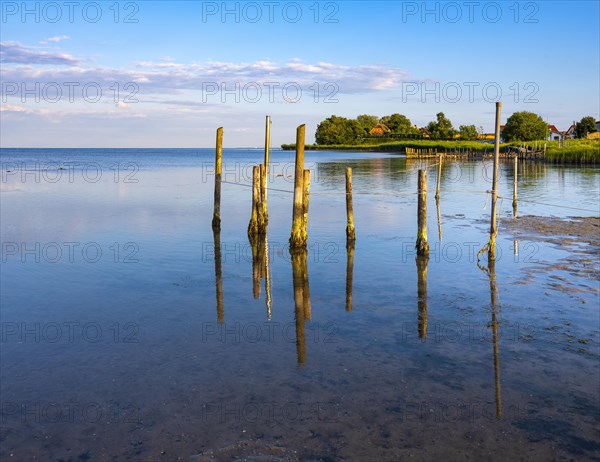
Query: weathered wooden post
pixel 493 225
pixel 439 177
pixel 216 221
pixel 422 245
pixel 350 232
pixel 253 225
pixel 305 200
pixel 218 274
pixel 516 175
pixel 422 263
pixel 267 141
pixel 298 236
pixel 263 217
pixel 264 192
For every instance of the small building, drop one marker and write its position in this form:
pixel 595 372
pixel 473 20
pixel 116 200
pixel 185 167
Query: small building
pixel 571 132
pixel 379 130
pixel 598 125
pixel 555 134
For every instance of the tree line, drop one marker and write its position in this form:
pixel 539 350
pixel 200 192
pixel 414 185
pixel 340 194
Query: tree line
pixel 521 126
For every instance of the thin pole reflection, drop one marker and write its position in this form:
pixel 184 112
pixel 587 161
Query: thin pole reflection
pixel 218 274
pixel 349 273
pixel 267 278
pixel 439 217
pixel 494 324
pixel 422 262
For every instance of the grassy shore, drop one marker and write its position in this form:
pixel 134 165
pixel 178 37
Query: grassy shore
pixel 400 146
pixel 574 152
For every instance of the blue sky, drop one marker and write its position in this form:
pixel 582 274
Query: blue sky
pixel 170 73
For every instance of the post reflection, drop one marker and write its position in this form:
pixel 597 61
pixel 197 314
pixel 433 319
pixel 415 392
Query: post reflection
pixel 422 263
pixel 349 273
pixel 439 217
pixel 495 336
pixel 256 270
pixel 494 325
pixel 218 274
pixel 259 244
pixel 301 300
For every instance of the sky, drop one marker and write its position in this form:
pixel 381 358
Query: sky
pixel 167 74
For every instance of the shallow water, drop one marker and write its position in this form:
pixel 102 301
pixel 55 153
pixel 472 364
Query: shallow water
pixel 117 346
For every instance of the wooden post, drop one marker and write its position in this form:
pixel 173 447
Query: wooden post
pixel 439 177
pixel 515 187
pixel 267 147
pixel 267 141
pixel 305 200
pixel 350 232
pixel 263 217
pixel 253 225
pixel 493 225
pixel 422 244
pixel 298 238
pixel 216 221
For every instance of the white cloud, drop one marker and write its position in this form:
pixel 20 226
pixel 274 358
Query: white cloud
pixel 55 39
pixel 15 52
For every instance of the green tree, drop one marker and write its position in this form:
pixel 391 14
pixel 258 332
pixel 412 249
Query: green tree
pixel 367 122
pixel 397 123
pixel 585 126
pixel 338 130
pixel 468 132
pixel 441 129
pixel 525 126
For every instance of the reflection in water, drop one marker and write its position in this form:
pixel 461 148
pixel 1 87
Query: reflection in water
pixel 259 243
pixel 422 262
pixel 218 274
pixel 254 245
pixel 494 324
pixel 301 299
pixel 267 278
pixel 349 274
pixel 439 217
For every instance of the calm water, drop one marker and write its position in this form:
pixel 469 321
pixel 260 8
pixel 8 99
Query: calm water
pixel 124 338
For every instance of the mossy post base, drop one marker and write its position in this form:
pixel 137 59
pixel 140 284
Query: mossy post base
pixel 216 221
pixel 253 225
pixel 350 232
pixel 299 236
pixel 422 245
